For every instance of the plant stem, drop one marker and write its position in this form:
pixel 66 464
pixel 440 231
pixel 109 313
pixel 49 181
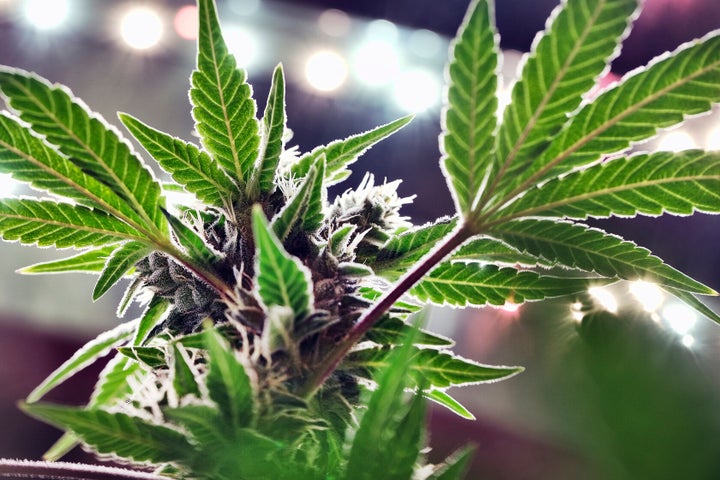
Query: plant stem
pixel 68 471
pixel 376 311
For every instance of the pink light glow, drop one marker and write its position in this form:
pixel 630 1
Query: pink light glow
pixel 186 22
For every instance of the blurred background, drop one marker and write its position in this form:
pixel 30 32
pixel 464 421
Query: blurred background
pixel 626 393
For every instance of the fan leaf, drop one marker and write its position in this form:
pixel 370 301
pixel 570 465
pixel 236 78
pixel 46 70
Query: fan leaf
pixel 189 166
pixel 118 264
pixel 86 139
pixel 580 39
pixel 592 250
pixel 442 398
pixel 469 117
pixel 62 225
pixel 91 261
pixel 223 107
pixel 468 284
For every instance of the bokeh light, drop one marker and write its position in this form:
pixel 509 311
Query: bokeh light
pixel 7 185
pixel 648 294
pixel 713 139
pixel 186 22
pixel 334 22
pixel 604 298
pixel 326 70
pixel 141 28
pixel 679 317
pixel 376 62
pixel 242 44
pixel 46 14
pixel 676 141
pixel 417 90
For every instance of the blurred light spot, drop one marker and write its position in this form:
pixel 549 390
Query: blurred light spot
pixel 186 22
pixel 713 139
pixel 377 62
pixel 649 295
pixel 334 22
pixel 141 28
pixel 417 90
pixel 510 307
pixel 576 311
pixel 679 317
pixel 7 185
pixel 382 30
pixel 603 297
pixel 425 43
pixel 244 7
pixel 676 141
pixel 326 71
pixel 46 14
pixel 241 44
pixel 688 341
pixel 504 98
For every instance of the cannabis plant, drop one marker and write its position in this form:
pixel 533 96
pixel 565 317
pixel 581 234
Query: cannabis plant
pixel 277 339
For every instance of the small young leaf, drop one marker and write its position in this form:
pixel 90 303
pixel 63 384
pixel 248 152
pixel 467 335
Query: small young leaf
pixel 649 184
pixel 273 130
pixel 117 433
pixel 153 357
pixel 313 217
pixel 341 153
pixel 592 250
pixel 88 354
pixel 91 261
pixel 61 447
pixel 151 317
pixel 193 244
pixel 113 382
pixel 121 260
pixel 437 368
pixel 442 398
pixel 92 144
pixel 228 383
pixel 184 377
pixel 189 166
pixel 62 225
pixel 455 466
pixel 223 107
pixel 463 284
pixel 564 64
pixel 469 117
pixel 294 211
pixel 281 279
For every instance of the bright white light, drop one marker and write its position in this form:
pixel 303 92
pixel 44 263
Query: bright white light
pixel 46 14
pixel 377 62
pixel 649 295
pixel 141 28
pixel 425 43
pixel 679 317
pixel 676 141
pixel 326 71
pixel 7 185
pixel 242 45
pixel 576 311
pixel 604 298
pixel 382 30
pixel 713 139
pixel 417 90
pixel 688 341
pixel 510 307
pixel 335 23
pixel 244 7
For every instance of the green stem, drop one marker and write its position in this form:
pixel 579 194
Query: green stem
pixel 68 471
pixel 325 368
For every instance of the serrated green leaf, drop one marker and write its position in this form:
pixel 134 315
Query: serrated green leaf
pixel 400 307
pixel 273 130
pixel 564 64
pixel 28 158
pixel 118 264
pixel 117 433
pixel 391 331
pixel 467 284
pixel 469 116
pixel 91 261
pixel 405 250
pixel 341 153
pixel 112 384
pixel 493 251
pixel 281 279
pixel 294 211
pixel 455 466
pixel 649 184
pixel 228 383
pixel 672 87
pixel 86 355
pixel 442 398
pixel 390 429
pixel 84 137
pixel 153 357
pixel 693 302
pixel 313 217
pixel 61 447
pixel 184 377
pixel 191 241
pixel 592 250
pixel 430 367
pixel 191 167
pixel 152 315
pixel 62 225
pixel 339 239
pixel 223 108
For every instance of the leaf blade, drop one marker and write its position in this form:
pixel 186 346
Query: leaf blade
pixel 273 130
pixel 118 263
pixel 91 261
